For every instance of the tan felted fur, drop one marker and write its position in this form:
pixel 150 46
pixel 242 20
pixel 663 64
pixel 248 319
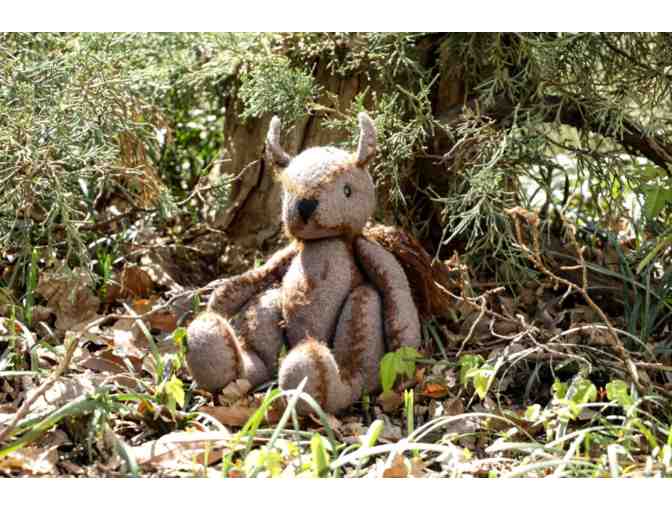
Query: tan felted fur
pixel 336 298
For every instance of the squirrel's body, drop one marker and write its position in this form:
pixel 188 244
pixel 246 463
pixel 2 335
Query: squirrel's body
pixel 317 283
pixel 335 297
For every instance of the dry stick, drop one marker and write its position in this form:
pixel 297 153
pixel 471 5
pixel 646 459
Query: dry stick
pixel 473 326
pixel 653 366
pixel 535 256
pixel 470 302
pixel 558 354
pixel 25 407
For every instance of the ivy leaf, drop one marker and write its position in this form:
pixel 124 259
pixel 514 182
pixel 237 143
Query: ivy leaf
pixel 582 391
pixel 393 364
pixel 482 377
pixel 559 389
pixel 466 363
pixel 175 391
pixel 617 391
pixel 406 357
pixel 388 371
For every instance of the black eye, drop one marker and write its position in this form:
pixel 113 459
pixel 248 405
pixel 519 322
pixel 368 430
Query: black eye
pixel 347 190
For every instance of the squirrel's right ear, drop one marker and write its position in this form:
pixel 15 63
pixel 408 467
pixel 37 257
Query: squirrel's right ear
pixel 273 149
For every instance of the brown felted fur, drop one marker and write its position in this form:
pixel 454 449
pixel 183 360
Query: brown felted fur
pixel 336 297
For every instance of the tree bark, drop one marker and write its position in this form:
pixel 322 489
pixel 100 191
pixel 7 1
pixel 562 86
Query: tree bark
pixel 254 214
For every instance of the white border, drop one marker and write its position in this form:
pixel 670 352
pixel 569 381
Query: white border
pixel 326 15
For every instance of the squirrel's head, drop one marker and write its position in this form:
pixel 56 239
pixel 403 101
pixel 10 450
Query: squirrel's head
pixel 328 192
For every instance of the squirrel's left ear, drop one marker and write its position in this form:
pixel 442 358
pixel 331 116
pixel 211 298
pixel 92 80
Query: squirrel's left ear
pixel 273 149
pixel 366 148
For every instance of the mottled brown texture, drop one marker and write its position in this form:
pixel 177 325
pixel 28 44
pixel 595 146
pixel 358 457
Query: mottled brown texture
pixel 359 343
pixel 258 327
pixel 231 294
pixel 311 304
pixel 402 325
pixel 424 275
pixel 322 174
pixel 212 356
pixel 337 298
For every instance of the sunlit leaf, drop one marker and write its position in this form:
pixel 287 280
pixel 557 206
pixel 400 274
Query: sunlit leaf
pixel 468 362
pixel 617 391
pixel 175 390
pixel 320 455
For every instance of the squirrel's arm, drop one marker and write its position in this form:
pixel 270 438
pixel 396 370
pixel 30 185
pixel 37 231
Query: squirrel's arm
pixel 231 294
pixel 402 325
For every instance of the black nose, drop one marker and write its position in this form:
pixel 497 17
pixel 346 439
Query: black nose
pixel 306 208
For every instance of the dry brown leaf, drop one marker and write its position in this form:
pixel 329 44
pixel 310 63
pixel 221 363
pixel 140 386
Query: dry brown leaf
pixel 30 460
pixel 136 282
pixel 72 468
pixel 53 439
pixel 182 449
pixel 333 422
pixel 109 355
pixel 64 390
pixel 391 432
pixel 420 375
pixel 398 468
pixel 98 364
pixel 390 400
pixel 69 293
pixel 163 320
pixel 434 390
pixel 231 416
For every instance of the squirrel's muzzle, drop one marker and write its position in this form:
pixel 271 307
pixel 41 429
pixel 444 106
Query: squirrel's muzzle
pixel 306 208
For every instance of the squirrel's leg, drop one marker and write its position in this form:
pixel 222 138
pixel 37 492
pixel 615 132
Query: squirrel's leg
pixel 219 352
pixel 337 379
pixel 402 324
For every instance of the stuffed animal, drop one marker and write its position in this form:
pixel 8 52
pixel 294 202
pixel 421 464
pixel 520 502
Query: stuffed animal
pixel 336 298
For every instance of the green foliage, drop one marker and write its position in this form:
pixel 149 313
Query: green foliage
pixel 320 455
pixel 481 374
pixel 86 116
pixel 617 391
pixel 273 86
pixel 395 364
pixel 173 393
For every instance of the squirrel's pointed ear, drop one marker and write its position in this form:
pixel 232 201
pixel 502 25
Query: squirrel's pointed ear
pixel 366 149
pixel 273 150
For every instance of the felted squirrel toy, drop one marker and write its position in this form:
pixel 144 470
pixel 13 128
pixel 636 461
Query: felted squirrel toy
pixel 338 299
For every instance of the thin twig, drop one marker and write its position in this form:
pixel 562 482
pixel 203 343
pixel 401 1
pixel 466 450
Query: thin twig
pixel 25 407
pixel 475 306
pixel 534 255
pixel 473 326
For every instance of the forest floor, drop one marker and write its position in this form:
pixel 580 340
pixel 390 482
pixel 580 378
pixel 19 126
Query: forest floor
pixel 544 382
